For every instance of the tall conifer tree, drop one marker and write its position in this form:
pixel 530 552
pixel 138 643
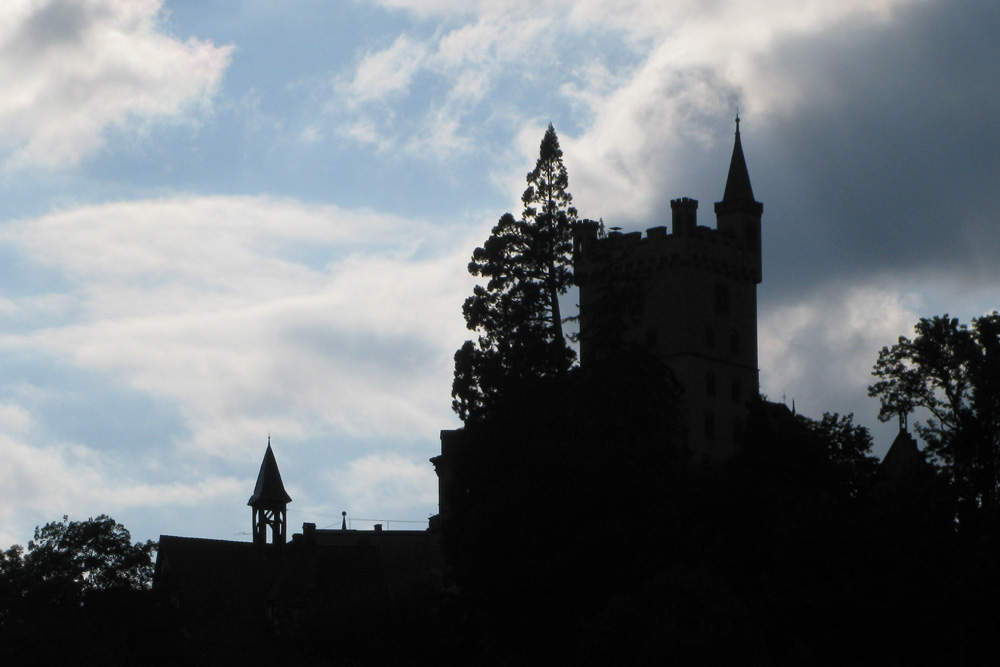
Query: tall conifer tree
pixel 528 265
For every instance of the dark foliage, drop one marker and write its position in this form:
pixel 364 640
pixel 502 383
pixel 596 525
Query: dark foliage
pixel 81 590
pixel 953 372
pixel 527 266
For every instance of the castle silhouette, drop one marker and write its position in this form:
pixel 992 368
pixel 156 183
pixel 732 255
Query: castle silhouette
pixel 698 312
pixel 687 294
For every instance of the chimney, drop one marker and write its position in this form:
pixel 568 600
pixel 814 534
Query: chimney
pixel 309 534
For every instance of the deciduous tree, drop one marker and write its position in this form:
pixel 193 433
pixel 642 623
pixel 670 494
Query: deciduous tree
pixel 953 372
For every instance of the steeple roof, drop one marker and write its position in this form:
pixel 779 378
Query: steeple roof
pixel 269 489
pixel 738 187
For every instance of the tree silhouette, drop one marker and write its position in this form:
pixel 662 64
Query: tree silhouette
pixel 81 589
pixel 952 371
pixel 527 265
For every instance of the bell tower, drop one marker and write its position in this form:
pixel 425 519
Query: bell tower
pixel 269 502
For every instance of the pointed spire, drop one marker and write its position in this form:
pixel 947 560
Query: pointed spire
pixel 269 490
pixel 738 187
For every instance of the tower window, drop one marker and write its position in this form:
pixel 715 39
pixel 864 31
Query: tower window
pixel 722 299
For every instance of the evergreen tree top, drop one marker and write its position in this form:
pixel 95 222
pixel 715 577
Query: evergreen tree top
pixel 549 150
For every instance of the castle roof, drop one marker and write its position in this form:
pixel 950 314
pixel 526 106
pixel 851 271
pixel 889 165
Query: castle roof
pixel 738 188
pixel 269 489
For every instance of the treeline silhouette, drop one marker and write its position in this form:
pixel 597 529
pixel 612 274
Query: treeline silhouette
pixel 591 540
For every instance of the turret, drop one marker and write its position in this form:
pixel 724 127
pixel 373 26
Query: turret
pixel 738 214
pixel 269 502
pixel 684 216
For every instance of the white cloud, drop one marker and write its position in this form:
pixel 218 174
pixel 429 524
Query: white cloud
pixel 386 482
pixel 820 350
pixel 647 79
pixel 251 315
pixel 387 72
pixel 15 419
pixel 70 69
pixel 52 480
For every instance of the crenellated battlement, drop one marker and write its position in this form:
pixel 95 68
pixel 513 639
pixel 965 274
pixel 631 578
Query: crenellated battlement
pixel 659 249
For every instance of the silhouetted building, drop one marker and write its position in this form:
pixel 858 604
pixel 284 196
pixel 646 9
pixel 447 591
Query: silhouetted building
pixel 239 590
pixel 690 295
pixel 904 467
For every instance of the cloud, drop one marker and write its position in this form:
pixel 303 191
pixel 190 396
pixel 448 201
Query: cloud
pixel 72 69
pixel 819 350
pixel 387 72
pixel 386 482
pixel 638 90
pixel 883 164
pixel 55 479
pixel 249 314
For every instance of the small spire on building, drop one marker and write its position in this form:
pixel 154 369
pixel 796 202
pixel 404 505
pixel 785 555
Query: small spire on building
pixel 269 489
pixel 269 502
pixel 343 521
pixel 738 188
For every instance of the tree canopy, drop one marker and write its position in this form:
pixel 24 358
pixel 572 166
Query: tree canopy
pixel 527 265
pixel 67 560
pixel 953 372
pixel 81 589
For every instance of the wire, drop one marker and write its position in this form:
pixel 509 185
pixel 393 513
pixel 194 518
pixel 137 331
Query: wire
pixel 355 518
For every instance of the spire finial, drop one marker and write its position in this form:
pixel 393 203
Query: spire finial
pixel 737 119
pixel 343 521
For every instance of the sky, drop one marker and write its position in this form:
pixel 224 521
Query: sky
pixel 232 221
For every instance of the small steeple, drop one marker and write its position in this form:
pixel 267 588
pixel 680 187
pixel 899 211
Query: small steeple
pixel 269 501
pixel 269 488
pixel 738 187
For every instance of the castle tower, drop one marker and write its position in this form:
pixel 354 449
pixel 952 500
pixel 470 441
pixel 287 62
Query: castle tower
pixel 692 299
pixel 269 502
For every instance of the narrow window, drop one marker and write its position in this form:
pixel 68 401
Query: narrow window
pixel 722 299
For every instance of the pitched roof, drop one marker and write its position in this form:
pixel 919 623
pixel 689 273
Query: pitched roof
pixel 904 460
pixel 269 489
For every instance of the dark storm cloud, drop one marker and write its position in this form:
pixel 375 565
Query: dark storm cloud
pixel 890 165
